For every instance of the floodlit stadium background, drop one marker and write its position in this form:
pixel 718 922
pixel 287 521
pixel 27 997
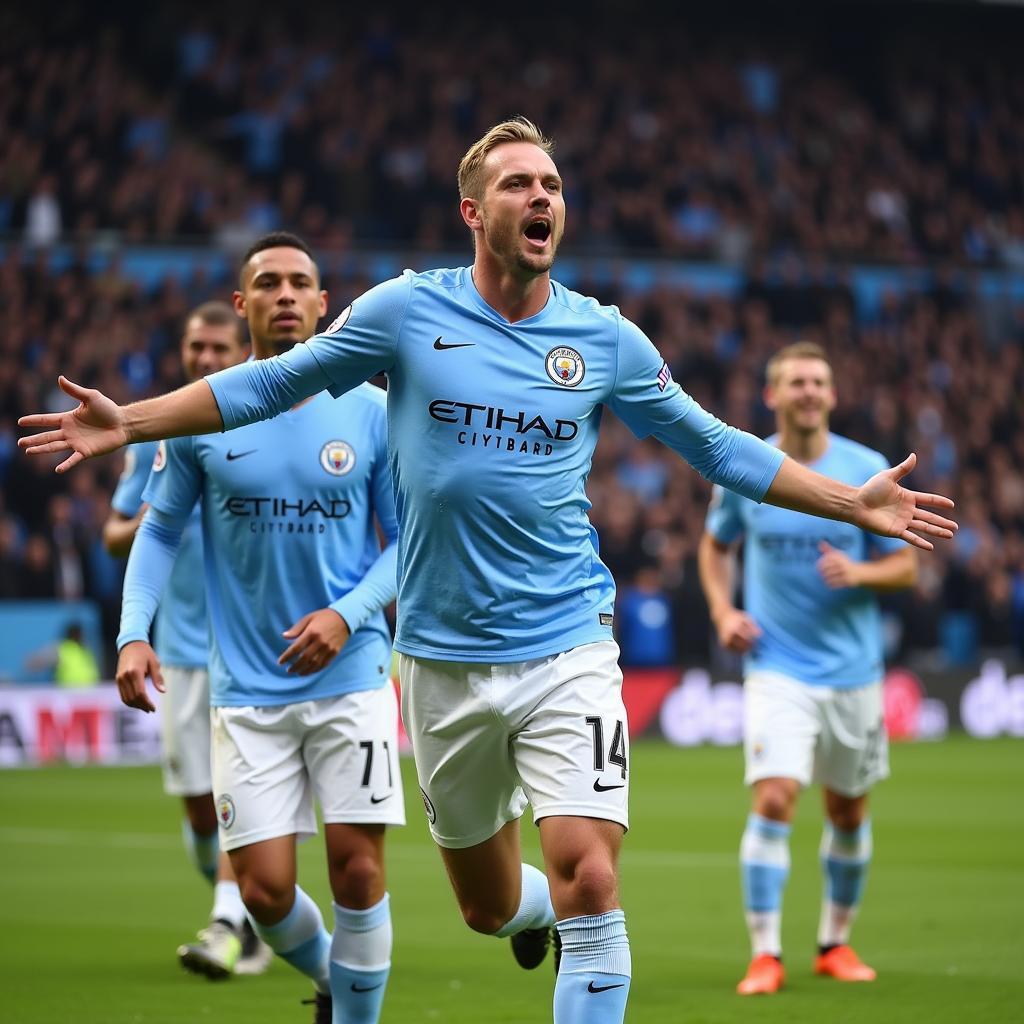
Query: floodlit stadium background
pixel 736 180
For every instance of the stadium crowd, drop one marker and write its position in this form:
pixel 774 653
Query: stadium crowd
pixel 693 141
pixel 732 146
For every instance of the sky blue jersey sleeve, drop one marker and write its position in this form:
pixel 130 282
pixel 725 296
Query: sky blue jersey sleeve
pixel 650 402
pixel 379 585
pixel 362 341
pixel 127 496
pixel 149 568
pixel 724 519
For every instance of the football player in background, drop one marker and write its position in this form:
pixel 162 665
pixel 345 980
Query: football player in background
pixel 811 632
pixel 302 703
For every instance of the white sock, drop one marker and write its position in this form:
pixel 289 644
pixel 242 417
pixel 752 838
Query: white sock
pixel 363 938
pixel 228 905
pixel 535 909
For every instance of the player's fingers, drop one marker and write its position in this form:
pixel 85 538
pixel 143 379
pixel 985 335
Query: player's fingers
pixel 41 444
pixel 824 547
pixel 897 472
pixel 70 462
pixel 932 529
pixel 38 419
pixel 69 387
pixel 934 517
pixel 293 649
pixel 918 542
pixel 157 676
pixel 298 627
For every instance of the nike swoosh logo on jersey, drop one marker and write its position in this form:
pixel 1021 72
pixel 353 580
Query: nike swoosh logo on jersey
pixel 369 988
pixel 231 456
pixel 380 799
pixel 599 787
pixel 604 988
pixel 441 346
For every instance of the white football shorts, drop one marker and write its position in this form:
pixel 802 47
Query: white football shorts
pixel 185 731
pixel 487 738
pixel 270 762
pixel 832 736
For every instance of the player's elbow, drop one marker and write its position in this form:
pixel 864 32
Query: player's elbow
pixel 115 540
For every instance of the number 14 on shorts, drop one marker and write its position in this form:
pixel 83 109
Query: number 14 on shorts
pixel 616 750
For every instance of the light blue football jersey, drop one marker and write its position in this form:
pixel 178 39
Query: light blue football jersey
pixel 812 633
pixel 180 633
pixel 287 510
pixel 492 429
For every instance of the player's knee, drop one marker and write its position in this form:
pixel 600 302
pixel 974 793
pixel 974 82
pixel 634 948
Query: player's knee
pixel 485 920
pixel 266 900
pixel 846 818
pixel 358 881
pixel 590 887
pixel 774 801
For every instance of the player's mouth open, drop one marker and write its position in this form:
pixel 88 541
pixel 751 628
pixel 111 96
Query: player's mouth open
pixel 538 232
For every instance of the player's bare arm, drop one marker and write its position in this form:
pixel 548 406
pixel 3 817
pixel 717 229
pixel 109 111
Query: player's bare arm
pixel 137 662
pixel 316 640
pixel 896 571
pixel 880 506
pixel 98 425
pixel 119 532
pixel 736 630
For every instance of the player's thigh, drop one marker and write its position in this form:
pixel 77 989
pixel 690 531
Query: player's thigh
pixel 351 755
pixel 854 752
pixel 571 749
pixel 461 746
pixel 261 787
pixel 781 728
pixel 185 731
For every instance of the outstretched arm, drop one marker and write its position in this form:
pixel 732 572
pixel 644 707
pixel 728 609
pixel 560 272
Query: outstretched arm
pixel 99 425
pixel 881 505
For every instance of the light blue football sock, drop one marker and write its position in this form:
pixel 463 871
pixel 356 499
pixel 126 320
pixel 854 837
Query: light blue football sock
pixel 360 962
pixel 845 859
pixel 593 980
pixel 535 910
pixel 301 939
pixel 764 869
pixel 202 851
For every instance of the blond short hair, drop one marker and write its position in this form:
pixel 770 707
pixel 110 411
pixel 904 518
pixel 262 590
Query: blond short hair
pixel 798 350
pixel 471 168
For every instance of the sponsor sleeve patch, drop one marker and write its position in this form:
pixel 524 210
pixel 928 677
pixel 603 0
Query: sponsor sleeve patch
pixel 340 320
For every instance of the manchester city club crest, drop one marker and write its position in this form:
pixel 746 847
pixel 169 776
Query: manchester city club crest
pixel 337 457
pixel 565 366
pixel 226 810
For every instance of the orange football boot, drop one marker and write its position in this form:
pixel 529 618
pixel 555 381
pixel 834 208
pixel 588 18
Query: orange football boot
pixel 841 963
pixel 764 976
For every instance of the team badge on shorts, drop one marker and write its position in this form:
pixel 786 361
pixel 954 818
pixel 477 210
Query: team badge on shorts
pixel 428 807
pixel 339 321
pixel 160 459
pixel 337 457
pixel 565 366
pixel 226 811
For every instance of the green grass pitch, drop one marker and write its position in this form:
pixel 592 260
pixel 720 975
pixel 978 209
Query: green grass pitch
pixel 95 895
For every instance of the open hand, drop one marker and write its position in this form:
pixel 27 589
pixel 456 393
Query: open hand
pixel 884 507
pixel 136 661
pixel 95 427
pixel 316 639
